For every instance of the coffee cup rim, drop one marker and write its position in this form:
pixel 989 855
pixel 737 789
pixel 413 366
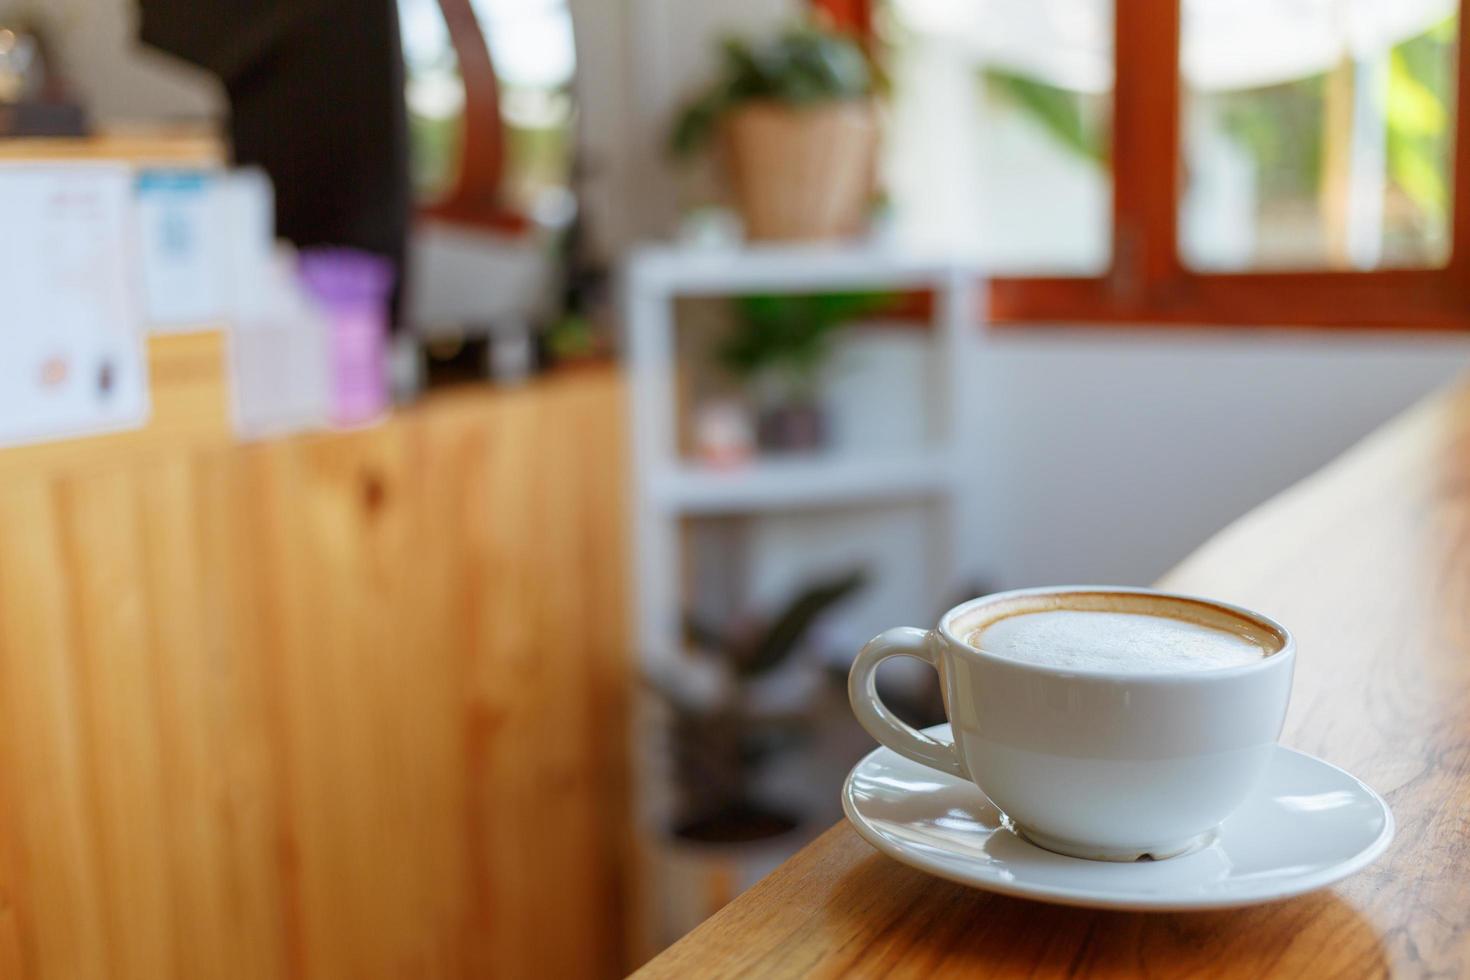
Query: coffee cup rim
pixel 1272 661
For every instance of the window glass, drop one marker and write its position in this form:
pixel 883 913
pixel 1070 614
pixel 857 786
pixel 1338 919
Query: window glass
pixel 531 45
pixel 1316 135
pixel 435 98
pixel 998 140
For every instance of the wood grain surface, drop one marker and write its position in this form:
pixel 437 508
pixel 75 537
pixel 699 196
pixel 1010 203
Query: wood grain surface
pixel 1368 562
pixel 142 146
pixel 339 706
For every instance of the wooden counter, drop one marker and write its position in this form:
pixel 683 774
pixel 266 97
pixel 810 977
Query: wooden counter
pixel 340 705
pixel 1368 562
pixel 141 146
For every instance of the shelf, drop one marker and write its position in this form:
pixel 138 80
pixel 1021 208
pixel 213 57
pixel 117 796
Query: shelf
pixel 718 271
pixel 668 488
pixel 802 482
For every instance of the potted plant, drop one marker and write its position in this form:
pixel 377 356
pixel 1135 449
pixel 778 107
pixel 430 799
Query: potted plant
pixel 725 724
pixel 736 708
pixel 777 350
pixel 800 132
pixel 741 701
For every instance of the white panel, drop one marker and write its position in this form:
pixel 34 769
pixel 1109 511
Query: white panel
pixel 1109 456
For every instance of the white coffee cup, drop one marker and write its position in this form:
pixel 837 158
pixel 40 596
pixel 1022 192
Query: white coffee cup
pixel 1110 765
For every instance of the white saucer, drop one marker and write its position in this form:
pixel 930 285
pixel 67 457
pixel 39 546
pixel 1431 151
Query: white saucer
pixel 1308 825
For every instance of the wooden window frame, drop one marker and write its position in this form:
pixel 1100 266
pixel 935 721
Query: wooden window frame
pixel 1147 283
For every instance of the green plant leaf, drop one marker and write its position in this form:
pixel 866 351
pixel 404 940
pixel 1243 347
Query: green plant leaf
pixel 699 633
pixel 1415 170
pixel 695 124
pixel 1057 110
pixel 790 627
pixel 1412 109
pixel 1420 83
pixel 799 67
pixel 791 334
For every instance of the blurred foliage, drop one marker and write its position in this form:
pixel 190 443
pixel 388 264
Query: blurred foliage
pixel 1281 126
pixel 791 335
pixel 717 744
pixel 1061 112
pixel 539 157
pixel 571 337
pixel 536 157
pixel 1421 85
pixel 802 66
pixel 434 147
pixel 752 653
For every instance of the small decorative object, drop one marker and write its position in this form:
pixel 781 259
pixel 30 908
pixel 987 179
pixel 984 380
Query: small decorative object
pixel 454 356
pixel 407 368
pixel 800 133
pixel 512 350
pixel 578 328
pixel 572 338
pixel 351 288
pixel 504 351
pixel 280 351
pixel 723 433
pixel 709 227
pixel 723 731
pixel 22 66
pixel 33 99
pixel 778 348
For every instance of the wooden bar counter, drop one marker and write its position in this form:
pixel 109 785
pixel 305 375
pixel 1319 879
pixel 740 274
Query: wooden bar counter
pixel 326 706
pixel 1368 563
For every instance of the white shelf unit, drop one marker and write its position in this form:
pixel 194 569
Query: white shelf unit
pixel 668 488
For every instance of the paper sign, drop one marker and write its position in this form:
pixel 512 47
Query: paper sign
pixel 71 347
pixel 279 362
pixel 181 241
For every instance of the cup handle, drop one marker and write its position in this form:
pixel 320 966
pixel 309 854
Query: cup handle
pixel 883 724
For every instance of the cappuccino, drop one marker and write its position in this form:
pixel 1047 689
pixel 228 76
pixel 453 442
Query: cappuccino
pixel 1122 633
pixel 1105 723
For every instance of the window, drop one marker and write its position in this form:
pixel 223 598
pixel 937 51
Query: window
pixel 999 130
pixel 491 121
pixel 435 96
pixel 1187 161
pixel 1316 135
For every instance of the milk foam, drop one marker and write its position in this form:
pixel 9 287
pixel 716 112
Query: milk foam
pixel 1116 641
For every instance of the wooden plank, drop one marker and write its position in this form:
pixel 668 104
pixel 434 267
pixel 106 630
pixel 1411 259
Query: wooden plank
pixel 247 753
pixel 1368 562
pixel 101 551
pixel 1145 150
pixel 53 871
pixel 346 704
pixel 1459 259
pixel 155 146
pixel 839 909
pixel 1390 299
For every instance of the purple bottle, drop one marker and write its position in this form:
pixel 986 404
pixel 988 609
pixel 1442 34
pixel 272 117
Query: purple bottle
pixel 351 289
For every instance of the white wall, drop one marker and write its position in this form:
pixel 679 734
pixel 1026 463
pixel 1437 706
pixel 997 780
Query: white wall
pixel 1107 456
pixel 118 80
pixel 1095 455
